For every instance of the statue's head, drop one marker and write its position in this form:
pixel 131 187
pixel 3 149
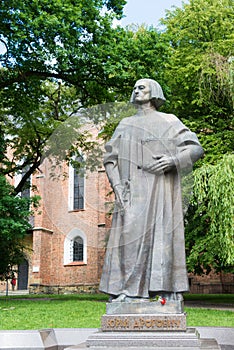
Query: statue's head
pixel 148 90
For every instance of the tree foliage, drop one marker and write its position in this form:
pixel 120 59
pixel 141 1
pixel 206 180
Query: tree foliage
pixel 138 52
pixel 53 64
pixel 200 77
pixel 200 72
pixel 14 222
pixel 210 219
pixel 27 128
pixel 53 39
pixel 14 225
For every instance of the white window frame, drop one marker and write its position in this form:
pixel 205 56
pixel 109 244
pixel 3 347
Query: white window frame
pixel 68 246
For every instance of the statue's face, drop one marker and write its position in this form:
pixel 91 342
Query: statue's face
pixel 141 92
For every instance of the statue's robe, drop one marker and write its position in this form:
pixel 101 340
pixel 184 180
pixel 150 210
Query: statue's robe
pixel 146 250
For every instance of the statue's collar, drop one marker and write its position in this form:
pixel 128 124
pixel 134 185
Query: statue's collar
pixel 145 111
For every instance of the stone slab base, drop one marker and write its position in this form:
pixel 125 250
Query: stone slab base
pixel 46 339
pixel 143 322
pixel 189 339
pixel 145 307
pixel 30 340
pixel 205 346
pixel 66 338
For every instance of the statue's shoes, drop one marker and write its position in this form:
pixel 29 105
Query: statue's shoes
pixel 136 300
pixel 120 298
pixel 126 299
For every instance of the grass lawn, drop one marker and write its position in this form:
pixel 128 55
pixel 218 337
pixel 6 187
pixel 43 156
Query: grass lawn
pixel 85 311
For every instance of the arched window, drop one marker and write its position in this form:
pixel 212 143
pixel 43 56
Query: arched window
pixel 78 249
pixel 75 247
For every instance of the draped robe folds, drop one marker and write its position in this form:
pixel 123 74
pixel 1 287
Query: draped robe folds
pixel 146 251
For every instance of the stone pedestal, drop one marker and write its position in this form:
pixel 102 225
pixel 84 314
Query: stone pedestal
pixel 162 340
pixel 147 325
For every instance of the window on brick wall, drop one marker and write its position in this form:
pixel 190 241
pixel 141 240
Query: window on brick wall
pixel 76 186
pixel 78 199
pixel 78 249
pixel 75 247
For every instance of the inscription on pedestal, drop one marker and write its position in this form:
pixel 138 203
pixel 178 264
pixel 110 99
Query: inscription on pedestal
pixel 143 322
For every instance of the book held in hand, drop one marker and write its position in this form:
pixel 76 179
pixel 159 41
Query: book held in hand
pixel 156 147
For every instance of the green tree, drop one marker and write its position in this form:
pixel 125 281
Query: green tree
pixel 200 78
pixel 55 55
pixel 27 128
pixel 61 40
pixel 14 225
pixel 210 219
pixel 14 222
pixel 200 72
pixel 138 52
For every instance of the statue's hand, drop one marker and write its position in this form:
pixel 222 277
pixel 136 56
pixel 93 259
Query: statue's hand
pixel 160 165
pixel 119 197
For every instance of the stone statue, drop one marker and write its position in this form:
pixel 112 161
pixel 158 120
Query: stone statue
pixel 144 160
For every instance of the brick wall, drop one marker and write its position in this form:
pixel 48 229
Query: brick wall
pixel 213 283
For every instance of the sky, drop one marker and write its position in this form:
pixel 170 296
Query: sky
pixel 147 11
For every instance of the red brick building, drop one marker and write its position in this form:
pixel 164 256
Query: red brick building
pixel 68 240
pixel 69 230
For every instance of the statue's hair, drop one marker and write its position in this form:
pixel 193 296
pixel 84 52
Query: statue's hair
pixel 156 94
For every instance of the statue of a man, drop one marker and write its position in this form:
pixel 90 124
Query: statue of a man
pixel 144 159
